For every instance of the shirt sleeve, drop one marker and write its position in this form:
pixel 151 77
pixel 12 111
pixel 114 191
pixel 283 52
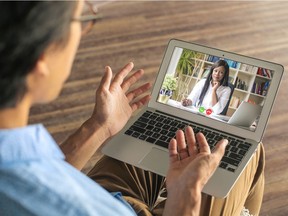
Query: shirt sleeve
pixel 223 98
pixel 196 91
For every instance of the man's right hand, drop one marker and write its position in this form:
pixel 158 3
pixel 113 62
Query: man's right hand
pixel 191 166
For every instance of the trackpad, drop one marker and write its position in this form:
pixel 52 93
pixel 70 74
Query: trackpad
pixel 156 160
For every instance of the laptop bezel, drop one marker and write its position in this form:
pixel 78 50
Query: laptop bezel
pixel 257 135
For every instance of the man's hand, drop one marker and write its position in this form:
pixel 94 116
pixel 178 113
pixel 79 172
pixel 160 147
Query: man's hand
pixel 114 105
pixel 191 166
pixel 114 102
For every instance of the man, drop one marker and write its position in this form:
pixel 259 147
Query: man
pixel 38 43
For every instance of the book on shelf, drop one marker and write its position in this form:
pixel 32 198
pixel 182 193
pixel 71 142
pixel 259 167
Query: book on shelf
pixel 264 72
pixel 231 63
pixel 260 88
pixel 241 84
pixel 248 68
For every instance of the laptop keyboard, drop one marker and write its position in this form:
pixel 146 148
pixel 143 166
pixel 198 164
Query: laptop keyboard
pixel 158 129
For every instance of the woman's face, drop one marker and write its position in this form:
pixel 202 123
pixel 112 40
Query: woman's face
pixel 218 74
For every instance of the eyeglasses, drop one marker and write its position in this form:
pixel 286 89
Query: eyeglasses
pixel 89 18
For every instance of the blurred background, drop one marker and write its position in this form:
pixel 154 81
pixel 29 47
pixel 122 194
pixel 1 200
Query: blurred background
pixel 139 31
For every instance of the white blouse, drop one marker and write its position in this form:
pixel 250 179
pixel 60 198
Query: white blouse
pixel 223 94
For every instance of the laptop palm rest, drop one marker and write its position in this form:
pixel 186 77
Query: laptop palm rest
pixel 160 157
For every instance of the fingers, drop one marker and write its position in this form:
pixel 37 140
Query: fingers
pixel 173 153
pixel 119 77
pixel 181 144
pixel 202 143
pixel 139 103
pixel 106 79
pixel 132 79
pixel 191 141
pixel 138 91
pixel 219 149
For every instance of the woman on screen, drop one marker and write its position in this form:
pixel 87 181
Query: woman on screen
pixel 212 92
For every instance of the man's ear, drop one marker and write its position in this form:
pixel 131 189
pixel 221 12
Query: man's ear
pixel 41 67
pixel 38 73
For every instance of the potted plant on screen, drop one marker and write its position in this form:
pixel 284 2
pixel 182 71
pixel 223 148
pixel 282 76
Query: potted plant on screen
pixel 169 85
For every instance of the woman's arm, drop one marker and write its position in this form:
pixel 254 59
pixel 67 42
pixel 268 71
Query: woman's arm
pixel 113 108
pixel 222 99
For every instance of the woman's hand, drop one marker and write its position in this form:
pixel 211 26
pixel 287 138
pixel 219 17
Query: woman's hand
pixel 215 85
pixel 187 102
pixel 115 103
pixel 191 166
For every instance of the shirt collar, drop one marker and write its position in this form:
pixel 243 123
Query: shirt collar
pixel 32 142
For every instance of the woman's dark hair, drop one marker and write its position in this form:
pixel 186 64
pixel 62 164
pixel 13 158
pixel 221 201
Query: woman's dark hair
pixel 27 28
pixel 223 82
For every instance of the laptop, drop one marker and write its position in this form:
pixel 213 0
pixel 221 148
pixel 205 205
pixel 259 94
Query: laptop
pixel 143 142
pixel 245 115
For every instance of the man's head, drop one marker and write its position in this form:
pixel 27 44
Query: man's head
pixel 38 42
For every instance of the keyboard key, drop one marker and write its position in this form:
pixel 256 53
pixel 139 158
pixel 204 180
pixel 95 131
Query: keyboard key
pixel 234 149
pixel 210 135
pixel 157 129
pixel 159 125
pixel 160 119
pixel 149 133
pixel 166 127
pixel 136 134
pixel 149 127
pixel 173 129
pixel 244 146
pixel 128 132
pixel 140 124
pixel 146 114
pixel 167 121
pixel 156 135
pixel 171 134
pixel 151 140
pixel 138 129
pixel 143 119
pixel 152 122
pixel 231 169
pixel 163 138
pixel 142 137
pixel 236 156
pixel 230 161
pixel 233 143
pixel 164 132
pixel 174 123
pixel 162 143
pixel 181 126
pixel 223 165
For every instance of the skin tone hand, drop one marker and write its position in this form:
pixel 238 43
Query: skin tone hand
pixel 189 171
pixel 114 105
pixel 114 102
pixel 187 102
pixel 215 86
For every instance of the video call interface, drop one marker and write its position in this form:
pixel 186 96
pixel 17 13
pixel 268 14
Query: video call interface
pixel 215 87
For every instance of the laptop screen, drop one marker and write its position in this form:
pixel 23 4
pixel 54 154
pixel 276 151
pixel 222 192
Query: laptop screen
pixel 215 87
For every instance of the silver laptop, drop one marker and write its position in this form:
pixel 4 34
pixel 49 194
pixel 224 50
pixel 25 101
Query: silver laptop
pixel 245 115
pixel 143 142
